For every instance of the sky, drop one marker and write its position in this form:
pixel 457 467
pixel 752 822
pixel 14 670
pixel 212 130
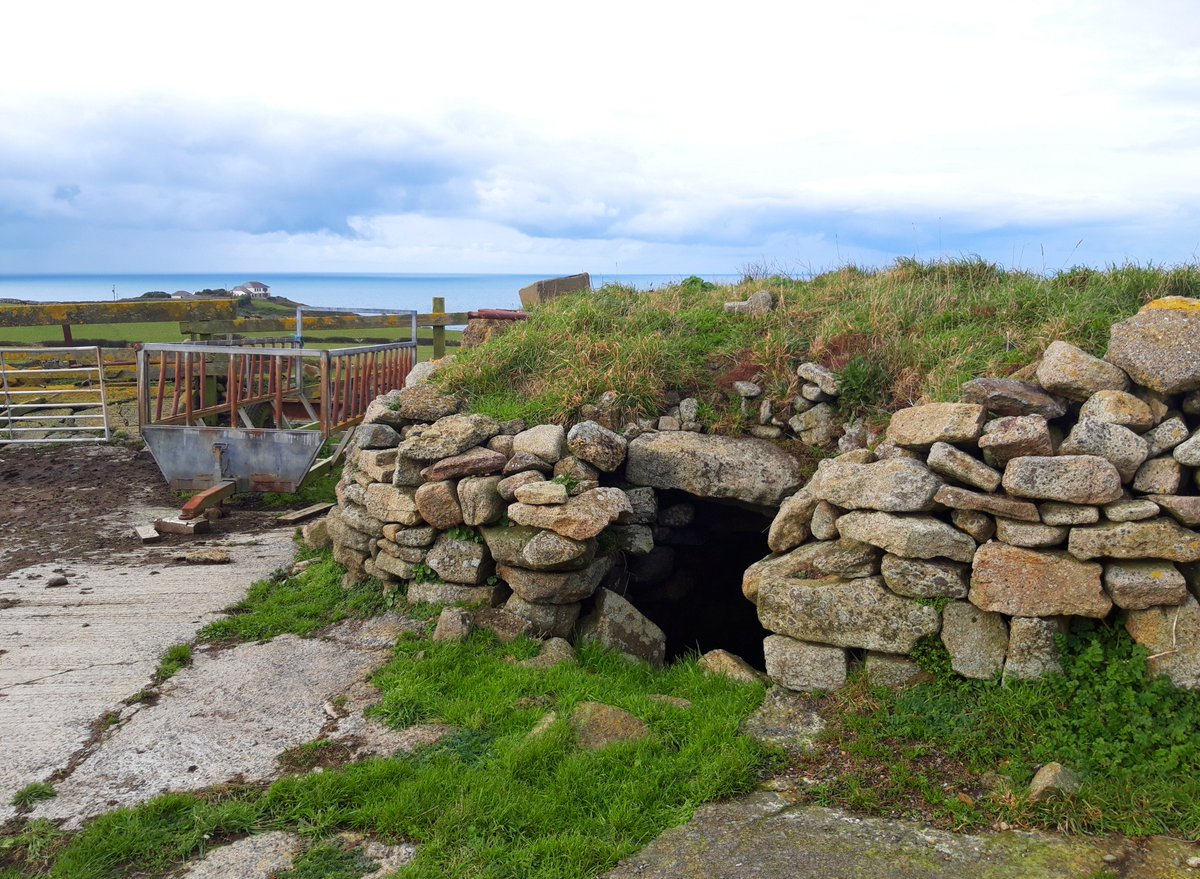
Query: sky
pixel 623 137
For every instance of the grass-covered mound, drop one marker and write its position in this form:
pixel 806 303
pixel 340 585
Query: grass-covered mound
pixel 913 332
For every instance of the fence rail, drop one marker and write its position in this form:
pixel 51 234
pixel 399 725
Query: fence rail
pixel 33 396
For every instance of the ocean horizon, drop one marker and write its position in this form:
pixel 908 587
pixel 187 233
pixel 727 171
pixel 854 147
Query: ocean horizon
pixel 462 292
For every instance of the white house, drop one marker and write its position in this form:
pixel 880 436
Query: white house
pixel 252 289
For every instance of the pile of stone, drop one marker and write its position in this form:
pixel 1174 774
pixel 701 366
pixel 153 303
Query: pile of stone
pixel 991 522
pixel 467 510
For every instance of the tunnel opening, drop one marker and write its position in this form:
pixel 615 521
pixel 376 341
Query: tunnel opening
pixel 690 584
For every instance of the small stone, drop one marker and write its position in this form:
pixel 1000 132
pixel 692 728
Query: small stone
pixel 546 441
pixel 1151 539
pixel 1052 779
pixel 502 443
pixel 555 587
pixel 1183 509
pixel 466 562
pixel 542 493
pixel 454 624
pixel 747 390
pixel 977 641
pixel 1054 513
pixel 1004 396
pixel 1130 510
pixel 473 462
pixel 504 624
pixel 919 427
pixel 448 436
pixel 1171 635
pixel 766 431
pixel 1118 407
pixel 1029 534
pixel 1157 346
pixel 814 394
pixel 1166 436
pixel 597 726
pixel 1016 437
pixel 920 578
pixel 644 502
pixel 1158 476
pixel 636 540
pixel 689 409
pixel 1119 445
pixel 577 469
pixel 790 527
pixel 759 303
pixel 389 503
pixel 507 487
pixel 980 526
pixel 597 445
pixel 580 517
pixel 895 486
pixel 1075 479
pixel 1070 372
pixel 434 592
pixel 555 651
pixel 995 504
pixel 722 662
pixel 546 620
pixel 437 503
pixel 376 436
pixel 804 667
pixel 480 500
pixel 891 669
pixel 1188 452
pixel 946 460
pixel 59 580
pixel 819 376
pixel 1033 648
pixel 816 427
pixel 522 462
pixel 1137 585
pixel 909 536
pixel 824 521
pixel 667 422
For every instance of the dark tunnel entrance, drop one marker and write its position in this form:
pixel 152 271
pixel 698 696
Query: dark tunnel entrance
pixel 690 585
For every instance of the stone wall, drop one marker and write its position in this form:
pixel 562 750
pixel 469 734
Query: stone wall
pixel 990 523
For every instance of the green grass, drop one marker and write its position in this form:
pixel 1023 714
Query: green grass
pixel 177 657
pixel 299 605
pixel 962 753
pixel 489 801
pixel 912 332
pixel 315 490
pixel 31 794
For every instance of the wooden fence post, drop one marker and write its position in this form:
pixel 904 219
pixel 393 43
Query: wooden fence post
pixel 439 332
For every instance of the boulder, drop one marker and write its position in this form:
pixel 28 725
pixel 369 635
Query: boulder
pixel 1005 396
pixel 1072 479
pixel 1036 583
pixel 1137 585
pixel 480 500
pixel 1119 445
pixel 1157 346
pixel 845 613
pixel 547 587
pixel 473 462
pixel 1033 648
pixel 921 578
pixel 617 624
pixel 997 505
pixel 581 517
pixel 437 502
pixel 436 592
pixel 597 445
pixel 919 427
pixel 1118 407
pixel 1171 635
pixel 546 441
pixel 448 437
pixel 388 503
pixel 848 559
pixel 914 536
pixel 946 460
pixel 976 640
pixel 597 726
pixel 467 562
pixel 895 486
pixel 818 426
pixel 1016 437
pixel 537 550
pixel 791 525
pixel 1148 539
pixel 424 402
pixel 708 465
pixel 1158 476
pixel 803 667
pixel 722 662
pixel 1069 372
pixel 1055 513
pixel 545 620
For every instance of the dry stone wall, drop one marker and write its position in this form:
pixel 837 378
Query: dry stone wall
pixel 991 522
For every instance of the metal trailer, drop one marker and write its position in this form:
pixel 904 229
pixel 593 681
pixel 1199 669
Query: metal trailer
pixel 32 396
pixel 215 414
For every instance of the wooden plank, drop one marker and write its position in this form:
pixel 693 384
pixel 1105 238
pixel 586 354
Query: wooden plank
pixel 439 330
pixel 320 468
pixel 210 497
pixel 300 515
pixel 142 311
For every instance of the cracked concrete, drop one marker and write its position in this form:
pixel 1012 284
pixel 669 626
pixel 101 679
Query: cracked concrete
pixel 69 655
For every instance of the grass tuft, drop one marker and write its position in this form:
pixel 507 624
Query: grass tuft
pixel 32 794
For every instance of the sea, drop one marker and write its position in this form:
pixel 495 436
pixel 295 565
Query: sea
pixel 404 292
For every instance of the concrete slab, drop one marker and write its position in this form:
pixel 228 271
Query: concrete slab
pixel 70 655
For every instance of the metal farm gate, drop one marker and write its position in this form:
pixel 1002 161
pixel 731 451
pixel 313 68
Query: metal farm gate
pixel 52 395
pixel 215 413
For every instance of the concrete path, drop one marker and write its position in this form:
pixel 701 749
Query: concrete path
pixel 70 654
pixel 768 836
